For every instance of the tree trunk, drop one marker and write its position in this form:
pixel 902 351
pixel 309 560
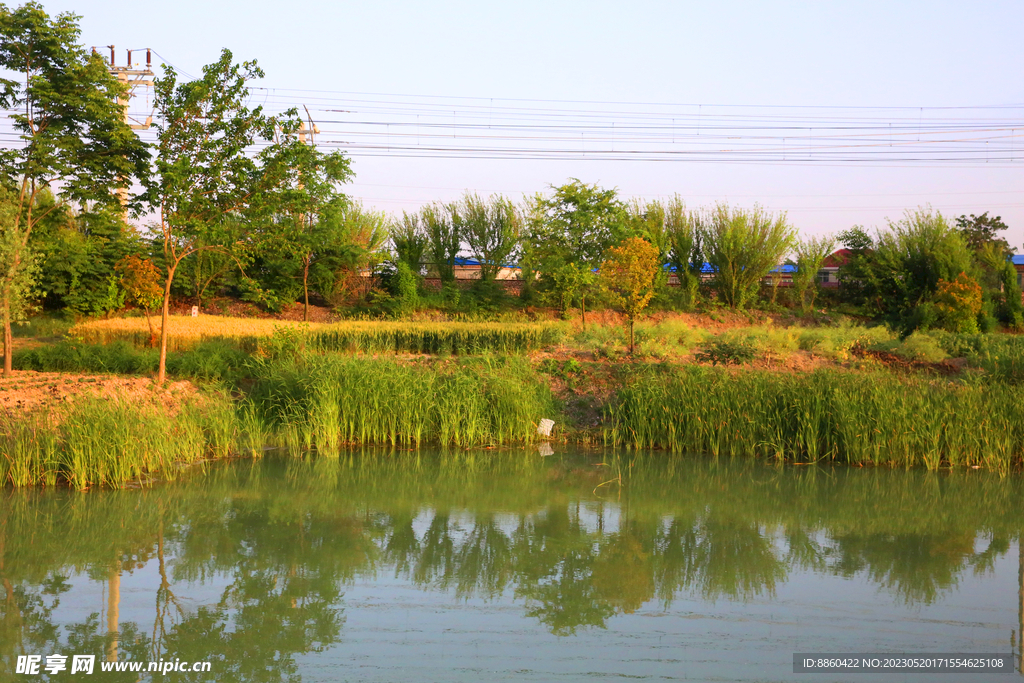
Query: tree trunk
pixel 113 609
pixel 583 310
pixel 630 336
pixel 161 373
pixel 8 341
pixel 305 291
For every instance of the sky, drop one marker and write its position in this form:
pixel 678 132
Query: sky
pixel 839 113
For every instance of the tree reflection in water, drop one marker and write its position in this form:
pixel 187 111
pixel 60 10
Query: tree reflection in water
pixel 284 538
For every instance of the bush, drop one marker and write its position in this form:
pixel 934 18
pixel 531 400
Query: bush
pixel 727 352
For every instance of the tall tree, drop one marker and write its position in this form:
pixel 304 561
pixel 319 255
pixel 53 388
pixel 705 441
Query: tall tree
pixel 205 164
pixel 685 231
pixel 303 203
pixel 978 231
pixel 72 133
pixel 810 254
pixel 409 240
pixel 445 241
pixel 743 246
pixel 569 233
pixel 491 228
pixel 910 258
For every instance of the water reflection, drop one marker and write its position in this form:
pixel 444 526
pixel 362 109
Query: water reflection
pixel 278 542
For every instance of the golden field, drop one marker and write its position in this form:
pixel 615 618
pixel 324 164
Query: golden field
pixel 365 336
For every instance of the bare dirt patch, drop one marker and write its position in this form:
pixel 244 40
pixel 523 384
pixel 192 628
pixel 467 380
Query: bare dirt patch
pixel 28 391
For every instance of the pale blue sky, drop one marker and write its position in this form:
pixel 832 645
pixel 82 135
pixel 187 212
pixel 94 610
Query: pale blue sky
pixel 690 55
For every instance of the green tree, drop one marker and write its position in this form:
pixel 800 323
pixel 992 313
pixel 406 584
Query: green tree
pixel 409 241
pixel 569 233
pixel 911 257
pixel 203 168
pixel 685 230
pixel 743 246
pixel 628 274
pixel 72 134
pixel 810 254
pixel 491 228
pixel 445 241
pixel 351 246
pixel 978 231
pixel 301 202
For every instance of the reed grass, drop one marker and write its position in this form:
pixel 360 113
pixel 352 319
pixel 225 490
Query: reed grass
pixel 325 402
pixel 856 418
pixel 113 443
pixel 256 335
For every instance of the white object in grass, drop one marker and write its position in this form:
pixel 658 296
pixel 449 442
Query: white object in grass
pixel 545 426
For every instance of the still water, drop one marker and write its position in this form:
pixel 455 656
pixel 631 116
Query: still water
pixel 510 566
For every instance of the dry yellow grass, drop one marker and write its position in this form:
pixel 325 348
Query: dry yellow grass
pixel 187 327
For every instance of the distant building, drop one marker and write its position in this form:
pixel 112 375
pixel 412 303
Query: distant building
pixel 1018 264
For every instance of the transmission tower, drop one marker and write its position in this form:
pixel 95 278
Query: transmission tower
pixel 133 76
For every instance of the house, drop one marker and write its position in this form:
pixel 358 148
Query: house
pixel 469 269
pixel 783 273
pixel 828 276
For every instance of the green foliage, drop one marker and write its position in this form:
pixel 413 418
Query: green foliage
pixel 209 119
pixel 445 240
pixel 403 287
pixel 982 230
pixel 569 233
pixel 439 338
pixel 685 231
pixel 911 257
pixel 810 255
pixel 410 240
pixel 72 135
pixel 492 230
pixel 743 246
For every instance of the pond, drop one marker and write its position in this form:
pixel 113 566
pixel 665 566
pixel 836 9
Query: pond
pixel 512 566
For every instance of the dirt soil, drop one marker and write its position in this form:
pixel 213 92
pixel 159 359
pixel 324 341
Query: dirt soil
pixel 27 391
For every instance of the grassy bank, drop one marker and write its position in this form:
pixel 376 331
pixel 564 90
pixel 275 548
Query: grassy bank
pixel 844 393
pixel 856 418
pixel 114 442
pixel 324 402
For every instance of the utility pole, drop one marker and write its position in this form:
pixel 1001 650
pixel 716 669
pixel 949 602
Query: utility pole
pixel 132 76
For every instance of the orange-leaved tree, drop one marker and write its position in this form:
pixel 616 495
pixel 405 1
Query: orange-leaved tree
pixel 142 281
pixel 959 303
pixel 627 274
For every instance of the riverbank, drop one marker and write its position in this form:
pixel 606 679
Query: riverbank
pixel 843 394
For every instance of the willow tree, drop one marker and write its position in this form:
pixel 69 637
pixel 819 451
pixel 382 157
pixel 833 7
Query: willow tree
pixel 73 140
pixel 742 246
pixel 491 228
pixel 685 231
pixel 206 167
pixel 810 255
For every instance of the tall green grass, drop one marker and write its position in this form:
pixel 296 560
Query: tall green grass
pixel 209 360
pixel 324 402
pixel 112 443
pixel 438 338
pixel 856 418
